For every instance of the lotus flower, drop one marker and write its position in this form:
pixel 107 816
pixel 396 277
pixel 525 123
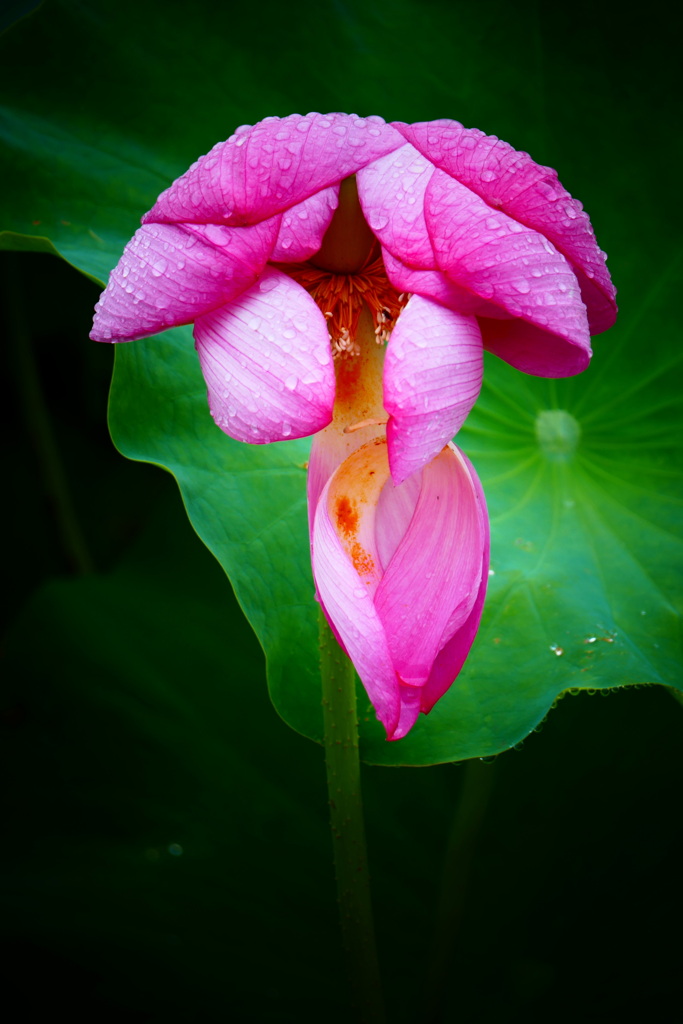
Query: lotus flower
pixel 298 248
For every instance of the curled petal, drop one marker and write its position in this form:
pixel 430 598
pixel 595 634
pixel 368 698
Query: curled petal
pixel 432 581
pixel 432 284
pixel 346 573
pixel 277 163
pixel 391 191
pixel 516 268
pixel 399 572
pixel 170 274
pixel 532 349
pixel 432 378
pixel 511 181
pixel 267 363
pixel 304 225
pixel 451 657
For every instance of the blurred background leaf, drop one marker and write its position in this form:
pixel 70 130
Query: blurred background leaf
pixel 168 847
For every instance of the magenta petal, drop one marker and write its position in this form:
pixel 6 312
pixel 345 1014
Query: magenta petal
pixel 432 284
pixel 498 259
pixel 533 350
pixel 432 378
pixel 169 274
pixel 391 191
pixel 303 226
pixel 511 181
pixel 452 656
pixel 432 582
pixel 277 163
pixel 267 363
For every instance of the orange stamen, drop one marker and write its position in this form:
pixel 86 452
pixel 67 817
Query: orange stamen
pixel 341 298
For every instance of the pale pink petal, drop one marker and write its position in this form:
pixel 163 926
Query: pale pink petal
pixel 410 709
pixel 432 284
pixel 395 509
pixel 267 363
pixel 391 191
pixel 431 584
pixel 344 593
pixel 452 656
pixel 493 256
pixel 432 377
pixel 277 163
pixel 330 448
pixel 511 181
pixel 169 274
pixel 304 225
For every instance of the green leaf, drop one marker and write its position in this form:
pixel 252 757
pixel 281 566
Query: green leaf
pixel 585 506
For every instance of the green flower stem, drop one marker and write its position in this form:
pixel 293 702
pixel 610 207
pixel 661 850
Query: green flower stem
pixel 348 831
pixel 473 801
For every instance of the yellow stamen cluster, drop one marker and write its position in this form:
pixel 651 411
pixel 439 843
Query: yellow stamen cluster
pixel 341 298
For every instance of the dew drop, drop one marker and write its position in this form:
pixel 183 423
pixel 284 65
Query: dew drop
pixel 159 268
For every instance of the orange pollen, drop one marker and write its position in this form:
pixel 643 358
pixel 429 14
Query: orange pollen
pixel 341 298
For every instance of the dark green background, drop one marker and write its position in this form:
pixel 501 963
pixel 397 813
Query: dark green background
pixel 166 846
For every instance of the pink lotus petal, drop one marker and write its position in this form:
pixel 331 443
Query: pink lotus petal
pixel 391 191
pixel 303 227
pixel 432 284
pixel 410 709
pixel 451 657
pixel 498 259
pixel 277 163
pixel 432 582
pixel 511 181
pixel 168 275
pixel 432 378
pixel 344 594
pixel 267 363
pixel 533 350
pixel 395 508
pixel 399 573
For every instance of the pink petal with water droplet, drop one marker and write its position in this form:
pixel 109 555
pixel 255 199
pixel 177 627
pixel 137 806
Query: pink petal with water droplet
pixel 453 654
pixel 432 377
pixel 267 363
pixel 432 284
pixel 509 180
pixel 399 573
pixel 432 581
pixel 277 163
pixel 304 225
pixel 391 191
pixel 169 274
pixel 488 253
